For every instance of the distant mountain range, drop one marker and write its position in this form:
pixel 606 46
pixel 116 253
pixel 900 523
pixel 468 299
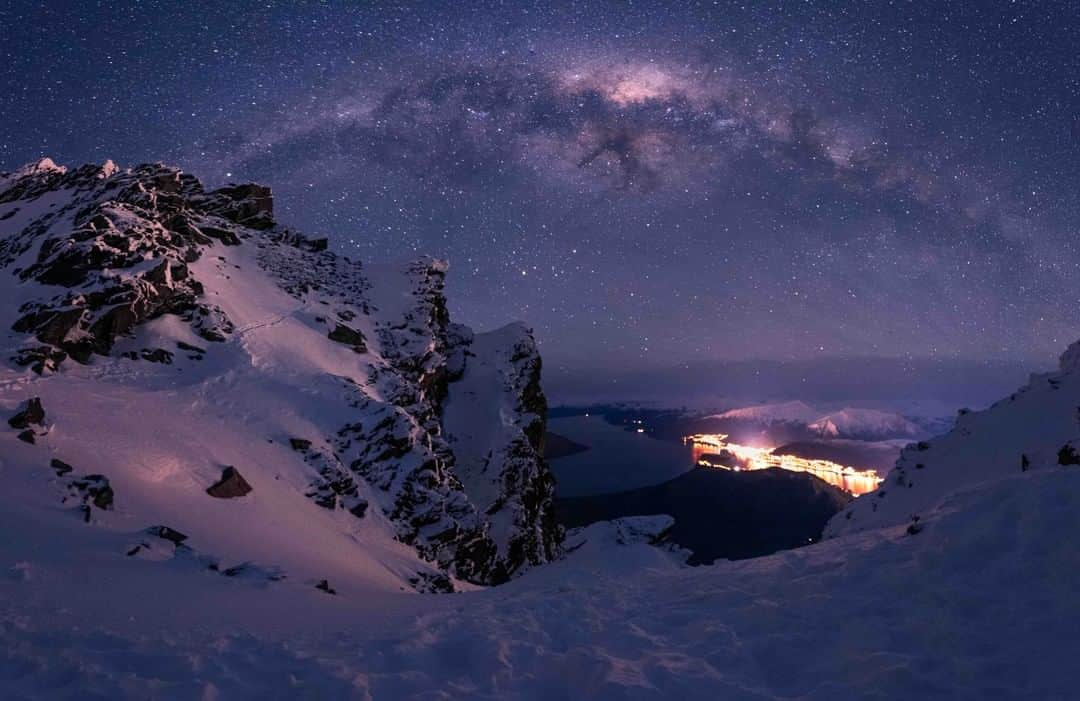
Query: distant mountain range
pixel 849 422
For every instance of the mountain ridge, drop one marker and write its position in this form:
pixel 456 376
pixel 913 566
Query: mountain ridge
pixel 140 285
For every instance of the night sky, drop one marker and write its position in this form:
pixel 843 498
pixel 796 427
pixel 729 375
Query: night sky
pixel 650 185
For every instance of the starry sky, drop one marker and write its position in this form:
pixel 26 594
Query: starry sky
pixel 653 186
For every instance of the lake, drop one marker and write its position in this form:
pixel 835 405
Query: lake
pixel 617 459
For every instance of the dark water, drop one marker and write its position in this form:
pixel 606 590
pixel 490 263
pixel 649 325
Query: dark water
pixel 718 513
pixel 616 460
pixel 722 514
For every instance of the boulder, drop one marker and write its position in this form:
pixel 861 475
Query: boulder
pixel 165 533
pixel 231 485
pixel 31 412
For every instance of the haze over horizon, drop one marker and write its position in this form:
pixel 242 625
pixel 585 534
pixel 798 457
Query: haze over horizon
pixel 792 185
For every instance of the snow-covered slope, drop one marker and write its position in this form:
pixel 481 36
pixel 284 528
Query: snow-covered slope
pixel 864 424
pixel 980 604
pixel 171 333
pixel 1036 428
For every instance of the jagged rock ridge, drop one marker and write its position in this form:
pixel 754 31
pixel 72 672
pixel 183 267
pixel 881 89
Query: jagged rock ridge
pixel 141 274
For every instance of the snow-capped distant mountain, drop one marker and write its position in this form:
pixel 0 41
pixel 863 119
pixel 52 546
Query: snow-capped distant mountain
pixel 776 412
pixel 864 424
pixel 848 422
pixel 178 340
pixel 1036 428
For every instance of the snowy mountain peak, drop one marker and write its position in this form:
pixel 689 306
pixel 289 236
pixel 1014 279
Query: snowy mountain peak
pixel 109 169
pixel 44 165
pixel 866 424
pixel 340 393
pixel 792 411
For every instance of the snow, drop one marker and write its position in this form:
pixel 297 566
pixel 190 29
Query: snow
pixel 867 424
pixel 792 411
pixel 846 422
pixel 1022 432
pixel 980 604
pixel 170 429
pixel 976 600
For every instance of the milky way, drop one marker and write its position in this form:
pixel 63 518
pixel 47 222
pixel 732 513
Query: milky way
pixel 649 185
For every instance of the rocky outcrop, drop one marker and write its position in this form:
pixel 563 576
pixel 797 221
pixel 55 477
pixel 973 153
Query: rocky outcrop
pixel 99 252
pixel 495 420
pixel 117 253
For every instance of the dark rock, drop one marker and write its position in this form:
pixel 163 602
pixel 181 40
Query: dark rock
pixel 1068 456
pixel 96 490
pixel 432 583
pixel 157 355
pixel 61 467
pixel 31 412
pixel 299 444
pixel 27 436
pixel 359 509
pixel 230 486
pixel 324 585
pixel 348 336
pixel 190 348
pixel 212 335
pixel 40 358
pixel 165 533
pixel 226 236
pixel 251 205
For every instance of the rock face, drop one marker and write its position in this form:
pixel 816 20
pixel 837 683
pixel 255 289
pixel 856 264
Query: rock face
pixel 142 272
pixel 495 418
